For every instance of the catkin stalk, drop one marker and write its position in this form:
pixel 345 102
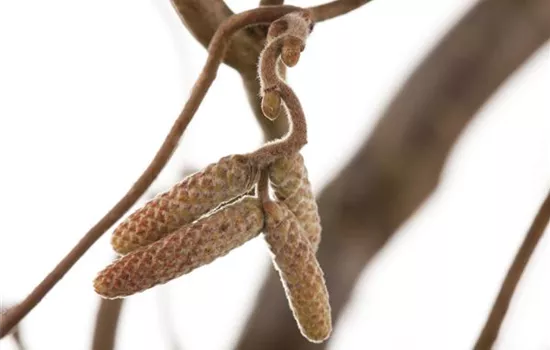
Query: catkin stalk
pixel 182 251
pixel 300 272
pixel 185 202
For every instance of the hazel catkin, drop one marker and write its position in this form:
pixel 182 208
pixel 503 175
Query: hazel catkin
pixel 289 179
pixel 300 272
pixel 182 251
pixel 186 201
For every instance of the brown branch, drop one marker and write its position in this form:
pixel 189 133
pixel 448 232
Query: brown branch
pixel 271 2
pixel 335 8
pixel 217 50
pixel 242 55
pixel 203 17
pixel 106 324
pixel 502 302
pixel 399 166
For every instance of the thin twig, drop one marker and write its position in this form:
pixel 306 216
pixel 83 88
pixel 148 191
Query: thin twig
pixel 335 8
pixel 295 29
pixel 203 17
pixel 400 165
pixel 217 50
pixel 106 324
pixel 294 140
pixel 502 302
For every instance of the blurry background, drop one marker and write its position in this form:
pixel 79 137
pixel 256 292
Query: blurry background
pixel 89 90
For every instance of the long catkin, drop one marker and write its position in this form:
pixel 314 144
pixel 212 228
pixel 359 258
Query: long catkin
pixel 300 272
pixel 185 202
pixel 182 251
pixel 289 179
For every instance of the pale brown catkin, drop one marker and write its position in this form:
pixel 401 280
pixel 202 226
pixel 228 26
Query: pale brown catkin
pixel 185 202
pixel 182 251
pixel 289 180
pixel 300 272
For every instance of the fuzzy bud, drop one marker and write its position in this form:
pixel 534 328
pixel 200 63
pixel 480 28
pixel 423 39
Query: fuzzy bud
pixel 182 251
pixel 186 201
pixel 290 53
pixel 271 105
pixel 300 272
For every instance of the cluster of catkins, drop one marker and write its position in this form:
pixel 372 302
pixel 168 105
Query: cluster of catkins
pixel 209 213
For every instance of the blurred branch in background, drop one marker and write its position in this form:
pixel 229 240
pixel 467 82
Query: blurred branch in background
pixel 502 302
pixel 399 166
pixel 106 324
pixel 271 2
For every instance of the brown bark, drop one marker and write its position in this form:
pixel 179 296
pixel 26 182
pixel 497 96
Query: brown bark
pixel 399 166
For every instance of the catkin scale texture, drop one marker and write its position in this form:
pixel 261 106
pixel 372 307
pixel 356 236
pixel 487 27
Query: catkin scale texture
pixel 300 272
pixel 289 180
pixel 182 251
pixel 185 202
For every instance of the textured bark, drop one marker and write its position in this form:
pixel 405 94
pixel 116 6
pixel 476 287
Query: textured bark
pixel 400 165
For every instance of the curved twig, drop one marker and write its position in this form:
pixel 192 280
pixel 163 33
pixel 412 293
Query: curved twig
pixel 502 302
pixel 295 139
pixel 217 50
pixel 286 39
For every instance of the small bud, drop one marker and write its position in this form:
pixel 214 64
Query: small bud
pixel 292 47
pixel 185 202
pixel 271 105
pixel 300 272
pixel 182 251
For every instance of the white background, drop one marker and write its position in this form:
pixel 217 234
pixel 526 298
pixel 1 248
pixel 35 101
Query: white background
pixel 88 91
